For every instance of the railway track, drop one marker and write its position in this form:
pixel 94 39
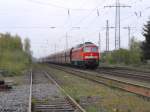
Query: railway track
pixel 126 68
pixel 140 90
pixel 53 103
pixel 127 73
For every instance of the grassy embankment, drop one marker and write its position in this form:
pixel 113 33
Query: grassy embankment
pixel 13 58
pixel 111 100
pixel 132 57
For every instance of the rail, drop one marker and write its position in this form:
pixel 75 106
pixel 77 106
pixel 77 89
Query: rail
pixel 68 96
pixel 111 82
pixel 127 74
pixel 30 93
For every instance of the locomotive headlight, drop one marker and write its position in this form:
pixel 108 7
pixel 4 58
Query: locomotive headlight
pixel 86 56
pixel 95 56
pixel 90 57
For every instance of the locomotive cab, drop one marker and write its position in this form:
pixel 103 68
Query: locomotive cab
pixel 86 55
pixel 83 55
pixel 91 56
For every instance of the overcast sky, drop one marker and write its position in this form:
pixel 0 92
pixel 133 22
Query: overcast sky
pixel 35 19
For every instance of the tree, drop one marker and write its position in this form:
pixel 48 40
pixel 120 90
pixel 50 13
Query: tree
pixel 146 44
pixel 17 43
pixel 135 52
pixel 27 46
pixel 13 58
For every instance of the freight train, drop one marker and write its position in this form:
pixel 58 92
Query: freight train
pixel 83 55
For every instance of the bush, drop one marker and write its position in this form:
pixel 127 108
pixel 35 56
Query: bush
pixel 124 56
pixel 12 57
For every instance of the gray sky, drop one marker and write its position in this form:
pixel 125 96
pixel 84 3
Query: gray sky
pixel 33 19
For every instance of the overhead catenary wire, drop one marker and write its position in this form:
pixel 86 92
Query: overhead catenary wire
pixel 94 18
pixel 138 19
pixel 134 2
pixel 85 17
pixel 79 22
pixel 66 8
pixel 57 6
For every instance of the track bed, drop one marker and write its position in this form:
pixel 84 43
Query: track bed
pixel 47 97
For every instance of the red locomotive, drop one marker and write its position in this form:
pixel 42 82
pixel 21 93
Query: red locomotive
pixel 85 55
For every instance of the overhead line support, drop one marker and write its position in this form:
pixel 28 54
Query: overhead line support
pixel 117 22
pixel 129 35
pixel 107 35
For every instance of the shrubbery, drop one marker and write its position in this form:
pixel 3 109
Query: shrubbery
pixel 139 52
pixel 13 58
pixel 146 44
pixel 124 56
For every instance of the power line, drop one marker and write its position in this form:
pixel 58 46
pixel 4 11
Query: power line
pixel 30 27
pixel 133 20
pixel 140 14
pixel 95 9
pixel 97 17
pixel 58 6
pixel 117 22
pixel 107 35
pixel 87 15
pixel 79 22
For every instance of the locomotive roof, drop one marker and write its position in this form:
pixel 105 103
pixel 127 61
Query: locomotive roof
pixel 86 43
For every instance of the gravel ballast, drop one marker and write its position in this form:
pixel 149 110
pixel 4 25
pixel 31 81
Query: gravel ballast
pixel 15 100
pixel 43 88
pixel 46 92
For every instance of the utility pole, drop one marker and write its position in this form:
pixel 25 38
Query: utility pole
pixel 117 22
pixel 129 35
pixel 66 41
pixel 55 48
pixel 99 42
pixel 107 35
pixel 83 41
pixel 55 51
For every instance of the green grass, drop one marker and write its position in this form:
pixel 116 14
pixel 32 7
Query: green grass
pixel 92 109
pixel 13 62
pixel 112 100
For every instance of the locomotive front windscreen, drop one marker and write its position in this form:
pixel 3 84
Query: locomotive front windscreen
pixel 90 49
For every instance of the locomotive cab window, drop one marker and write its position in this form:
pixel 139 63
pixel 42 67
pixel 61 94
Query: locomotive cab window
pixel 94 49
pixel 90 49
pixel 87 49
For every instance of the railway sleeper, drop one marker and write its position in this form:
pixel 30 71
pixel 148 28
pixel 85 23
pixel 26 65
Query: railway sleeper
pixel 53 106
pixel 5 87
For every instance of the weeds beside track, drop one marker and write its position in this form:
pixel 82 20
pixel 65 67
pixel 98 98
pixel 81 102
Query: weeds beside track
pixel 64 103
pixel 111 82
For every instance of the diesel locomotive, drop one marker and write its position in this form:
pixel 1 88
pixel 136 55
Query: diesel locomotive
pixel 83 55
